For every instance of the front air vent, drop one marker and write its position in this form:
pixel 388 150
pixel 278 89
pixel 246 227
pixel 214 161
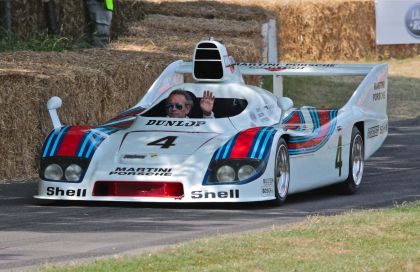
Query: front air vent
pixel 207 45
pixel 208 62
pixel 207 54
pixel 208 70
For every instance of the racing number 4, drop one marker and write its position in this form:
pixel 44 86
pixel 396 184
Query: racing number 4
pixel 164 142
pixel 338 160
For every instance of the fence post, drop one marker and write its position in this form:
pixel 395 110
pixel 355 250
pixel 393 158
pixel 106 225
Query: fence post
pixel 49 13
pixel 269 33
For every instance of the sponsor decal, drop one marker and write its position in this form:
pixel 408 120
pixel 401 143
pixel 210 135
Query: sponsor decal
pixel 138 156
pixel 373 131
pixel 268 187
pixel 141 171
pixel 379 85
pixel 281 66
pixel 175 123
pixel 233 193
pixel 379 96
pixel 253 116
pixel 56 191
pixel 383 128
pixel 412 20
pixel 377 130
pixel 133 157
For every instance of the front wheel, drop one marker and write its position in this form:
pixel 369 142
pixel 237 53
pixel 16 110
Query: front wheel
pixel 281 172
pixel 356 163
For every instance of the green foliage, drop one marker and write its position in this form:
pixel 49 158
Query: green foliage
pixel 40 42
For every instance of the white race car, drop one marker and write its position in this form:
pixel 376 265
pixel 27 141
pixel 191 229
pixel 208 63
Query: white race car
pixel 257 148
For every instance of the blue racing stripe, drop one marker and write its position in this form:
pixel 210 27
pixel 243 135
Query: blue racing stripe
pixel 86 139
pixel 57 140
pixel 264 146
pixel 219 152
pixel 228 147
pixel 260 135
pixel 97 139
pixel 50 138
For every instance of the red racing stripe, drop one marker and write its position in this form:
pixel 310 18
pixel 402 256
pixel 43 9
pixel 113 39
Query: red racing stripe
pixel 71 140
pixel 324 119
pixel 243 143
pixel 294 122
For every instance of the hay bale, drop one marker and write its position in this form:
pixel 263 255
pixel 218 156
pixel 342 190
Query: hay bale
pixel 95 85
pixel 28 17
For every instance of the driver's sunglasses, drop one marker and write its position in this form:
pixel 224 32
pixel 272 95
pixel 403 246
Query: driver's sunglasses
pixel 172 106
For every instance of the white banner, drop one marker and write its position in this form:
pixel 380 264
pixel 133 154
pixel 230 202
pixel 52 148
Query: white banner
pixel 397 21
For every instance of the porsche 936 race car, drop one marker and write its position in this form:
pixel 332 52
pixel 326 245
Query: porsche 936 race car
pixel 256 148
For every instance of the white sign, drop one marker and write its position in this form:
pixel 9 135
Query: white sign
pixel 397 21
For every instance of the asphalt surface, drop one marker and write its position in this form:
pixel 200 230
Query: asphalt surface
pixel 32 233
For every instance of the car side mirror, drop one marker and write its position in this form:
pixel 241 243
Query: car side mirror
pixel 53 104
pixel 284 104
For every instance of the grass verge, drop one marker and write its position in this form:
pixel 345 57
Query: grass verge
pixel 373 240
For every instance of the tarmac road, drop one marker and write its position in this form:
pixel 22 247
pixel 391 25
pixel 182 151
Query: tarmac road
pixel 32 234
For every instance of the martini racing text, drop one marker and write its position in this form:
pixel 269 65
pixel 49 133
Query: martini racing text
pixel 141 171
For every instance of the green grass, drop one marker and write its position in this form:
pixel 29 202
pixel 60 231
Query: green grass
pixel 380 240
pixel 40 42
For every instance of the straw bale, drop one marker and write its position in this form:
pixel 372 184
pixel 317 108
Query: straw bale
pixel 207 9
pixel 332 30
pixel 94 85
pixel 28 17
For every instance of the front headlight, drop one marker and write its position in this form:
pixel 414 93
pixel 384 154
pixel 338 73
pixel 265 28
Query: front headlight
pixel 246 171
pixel 53 172
pixel 225 173
pixel 73 172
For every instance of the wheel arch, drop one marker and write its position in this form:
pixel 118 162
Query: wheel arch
pixel 361 127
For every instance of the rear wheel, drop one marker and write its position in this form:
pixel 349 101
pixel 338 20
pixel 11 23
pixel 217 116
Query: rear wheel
pixel 281 172
pixel 356 163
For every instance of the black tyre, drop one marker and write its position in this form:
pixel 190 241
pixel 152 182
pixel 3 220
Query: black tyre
pixel 281 172
pixel 356 163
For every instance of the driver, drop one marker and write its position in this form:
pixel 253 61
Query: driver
pixel 179 104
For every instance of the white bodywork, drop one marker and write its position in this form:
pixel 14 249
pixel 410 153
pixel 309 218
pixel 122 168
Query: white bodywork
pixel 127 155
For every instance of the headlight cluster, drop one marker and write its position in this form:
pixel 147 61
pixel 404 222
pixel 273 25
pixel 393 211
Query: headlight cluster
pixel 63 169
pixel 234 170
pixel 72 173
pixel 226 173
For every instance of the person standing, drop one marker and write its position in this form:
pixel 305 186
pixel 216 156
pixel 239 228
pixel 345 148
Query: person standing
pixel 99 17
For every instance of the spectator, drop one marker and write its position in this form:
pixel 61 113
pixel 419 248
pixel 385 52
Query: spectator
pixel 99 17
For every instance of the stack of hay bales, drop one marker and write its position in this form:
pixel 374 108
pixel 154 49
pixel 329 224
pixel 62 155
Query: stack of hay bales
pixel 332 30
pixel 28 17
pixel 95 85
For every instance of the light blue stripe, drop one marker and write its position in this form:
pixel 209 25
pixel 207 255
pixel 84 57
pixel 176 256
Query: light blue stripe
pixel 267 137
pixel 58 140
pixel 85 143
pixel 258 142
pixel 92 145
pixel 48 143
pixel 218 153
pixel 97 140
pixel 227 148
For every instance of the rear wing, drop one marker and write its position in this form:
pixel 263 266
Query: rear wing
pixel 373 87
